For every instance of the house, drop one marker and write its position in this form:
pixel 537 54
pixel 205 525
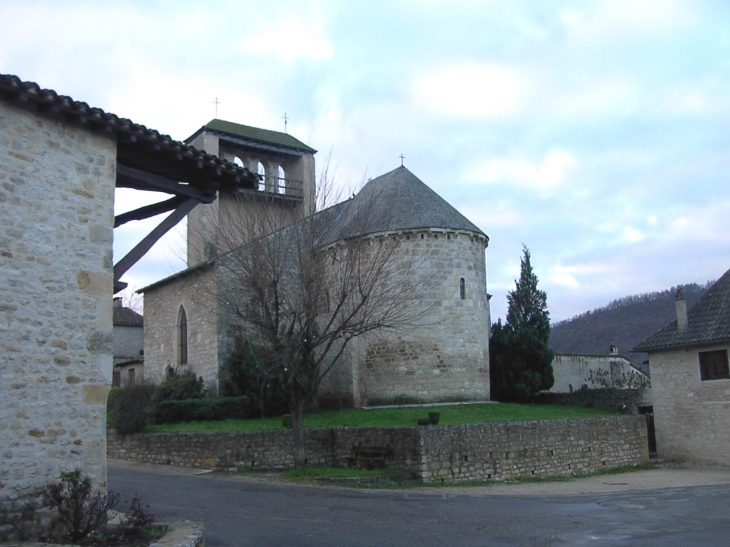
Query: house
pixel 60 162
pixel 128 345
pixel 691 380
pixel 445 358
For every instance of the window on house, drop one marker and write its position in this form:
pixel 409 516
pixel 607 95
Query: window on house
pixel 462 288
pixel 182 324
pixel 713 365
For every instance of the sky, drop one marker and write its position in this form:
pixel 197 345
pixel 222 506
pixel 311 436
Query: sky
pixel 593 132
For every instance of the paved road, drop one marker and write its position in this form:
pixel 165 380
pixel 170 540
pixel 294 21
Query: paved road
pixel 239 512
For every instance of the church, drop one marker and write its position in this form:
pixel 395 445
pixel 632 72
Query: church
pixel 442 358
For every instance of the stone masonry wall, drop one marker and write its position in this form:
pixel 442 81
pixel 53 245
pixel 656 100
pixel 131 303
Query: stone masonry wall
pixel 527 449
pixel 440 453
pixel 56 229
pixel 196 293
pixel 445 357
pixel 691 416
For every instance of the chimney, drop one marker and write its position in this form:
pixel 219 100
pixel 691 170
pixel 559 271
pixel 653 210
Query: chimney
pixel 681 305
pixel 118 302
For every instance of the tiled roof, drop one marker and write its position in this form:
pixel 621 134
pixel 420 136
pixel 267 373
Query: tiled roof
pixel 708 321
pixel 126 317
pixel 256 134
pixel 136 142
pixel 397 200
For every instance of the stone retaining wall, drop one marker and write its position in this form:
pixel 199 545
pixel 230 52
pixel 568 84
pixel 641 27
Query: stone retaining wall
pixel 443 453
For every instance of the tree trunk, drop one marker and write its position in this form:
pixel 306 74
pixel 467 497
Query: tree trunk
pixel 297 426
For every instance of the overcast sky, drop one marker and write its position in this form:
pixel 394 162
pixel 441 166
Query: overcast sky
pixel 597 133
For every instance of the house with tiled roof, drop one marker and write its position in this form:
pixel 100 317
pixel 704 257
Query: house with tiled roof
pixel 60 162
pixel 128 345
pixel 691 379
pixel 444 359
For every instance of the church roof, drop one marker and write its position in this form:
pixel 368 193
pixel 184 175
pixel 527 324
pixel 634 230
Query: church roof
pixel 708 321
pixel 256 134
pixel 397 200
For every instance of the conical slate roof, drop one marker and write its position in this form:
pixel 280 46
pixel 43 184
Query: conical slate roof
pixel 397 200
pixel 708 321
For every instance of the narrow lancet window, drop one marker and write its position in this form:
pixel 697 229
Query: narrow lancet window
pixel 182 324
pixel 462 288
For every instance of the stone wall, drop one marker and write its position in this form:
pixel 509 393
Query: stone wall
pixel 56 222
pixel 691 416
pixel 532 449
pixel 573 372
pixel 441 453
pixel 444 356
pixel 195 292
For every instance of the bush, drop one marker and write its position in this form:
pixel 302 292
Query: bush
pixel 80 510
pixel 128 408
pixel 223 408
pixel 246 377
pixel 180 385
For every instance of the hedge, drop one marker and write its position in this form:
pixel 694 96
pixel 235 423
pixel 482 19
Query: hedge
pixel 189 410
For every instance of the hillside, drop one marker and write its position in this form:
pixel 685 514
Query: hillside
pixel 624 323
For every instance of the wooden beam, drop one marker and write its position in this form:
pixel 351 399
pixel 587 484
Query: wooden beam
pixel 128 177
pixel 133 256
pixel 148 211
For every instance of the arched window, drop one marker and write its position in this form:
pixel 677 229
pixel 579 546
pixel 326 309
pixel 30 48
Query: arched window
pixel 238 161
pixel 462 288
pixel 262 175
pixel 281 180
pixel 182 328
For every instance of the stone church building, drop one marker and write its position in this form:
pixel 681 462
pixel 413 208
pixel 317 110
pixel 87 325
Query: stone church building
pixel 445 357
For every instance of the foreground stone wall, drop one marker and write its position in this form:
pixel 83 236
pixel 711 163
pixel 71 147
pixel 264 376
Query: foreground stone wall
pixel 441 453
pixel 691 416
pixel 532 449
pixel 56 218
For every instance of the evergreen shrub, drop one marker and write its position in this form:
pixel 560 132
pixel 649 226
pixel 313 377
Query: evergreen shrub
pixel 202 410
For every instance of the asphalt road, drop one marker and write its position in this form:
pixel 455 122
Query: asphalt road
pixel 239 512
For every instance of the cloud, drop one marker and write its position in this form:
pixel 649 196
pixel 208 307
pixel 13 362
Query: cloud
pixel 291 39
pixel 547 175
pixel 471 90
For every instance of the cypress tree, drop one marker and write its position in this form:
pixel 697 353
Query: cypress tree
pixel 520 359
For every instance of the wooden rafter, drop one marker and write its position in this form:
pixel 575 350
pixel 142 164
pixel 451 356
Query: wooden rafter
pixel 133 256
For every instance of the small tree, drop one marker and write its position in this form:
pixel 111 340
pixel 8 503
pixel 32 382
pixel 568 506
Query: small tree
pixel 520 359
pixel 299 295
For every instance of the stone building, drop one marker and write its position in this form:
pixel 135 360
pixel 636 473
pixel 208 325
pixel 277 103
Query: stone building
pixel 128 345
pixel 446 358
pixel 690 378
pixel 60 161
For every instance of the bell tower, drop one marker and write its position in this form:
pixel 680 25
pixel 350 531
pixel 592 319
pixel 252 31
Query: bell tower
pixel 286 187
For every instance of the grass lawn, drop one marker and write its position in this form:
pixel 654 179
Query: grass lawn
pixel 392 417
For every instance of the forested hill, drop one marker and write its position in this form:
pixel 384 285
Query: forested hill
pixel 624 322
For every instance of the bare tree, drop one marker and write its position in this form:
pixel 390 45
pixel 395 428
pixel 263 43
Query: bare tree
pixel 303 292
